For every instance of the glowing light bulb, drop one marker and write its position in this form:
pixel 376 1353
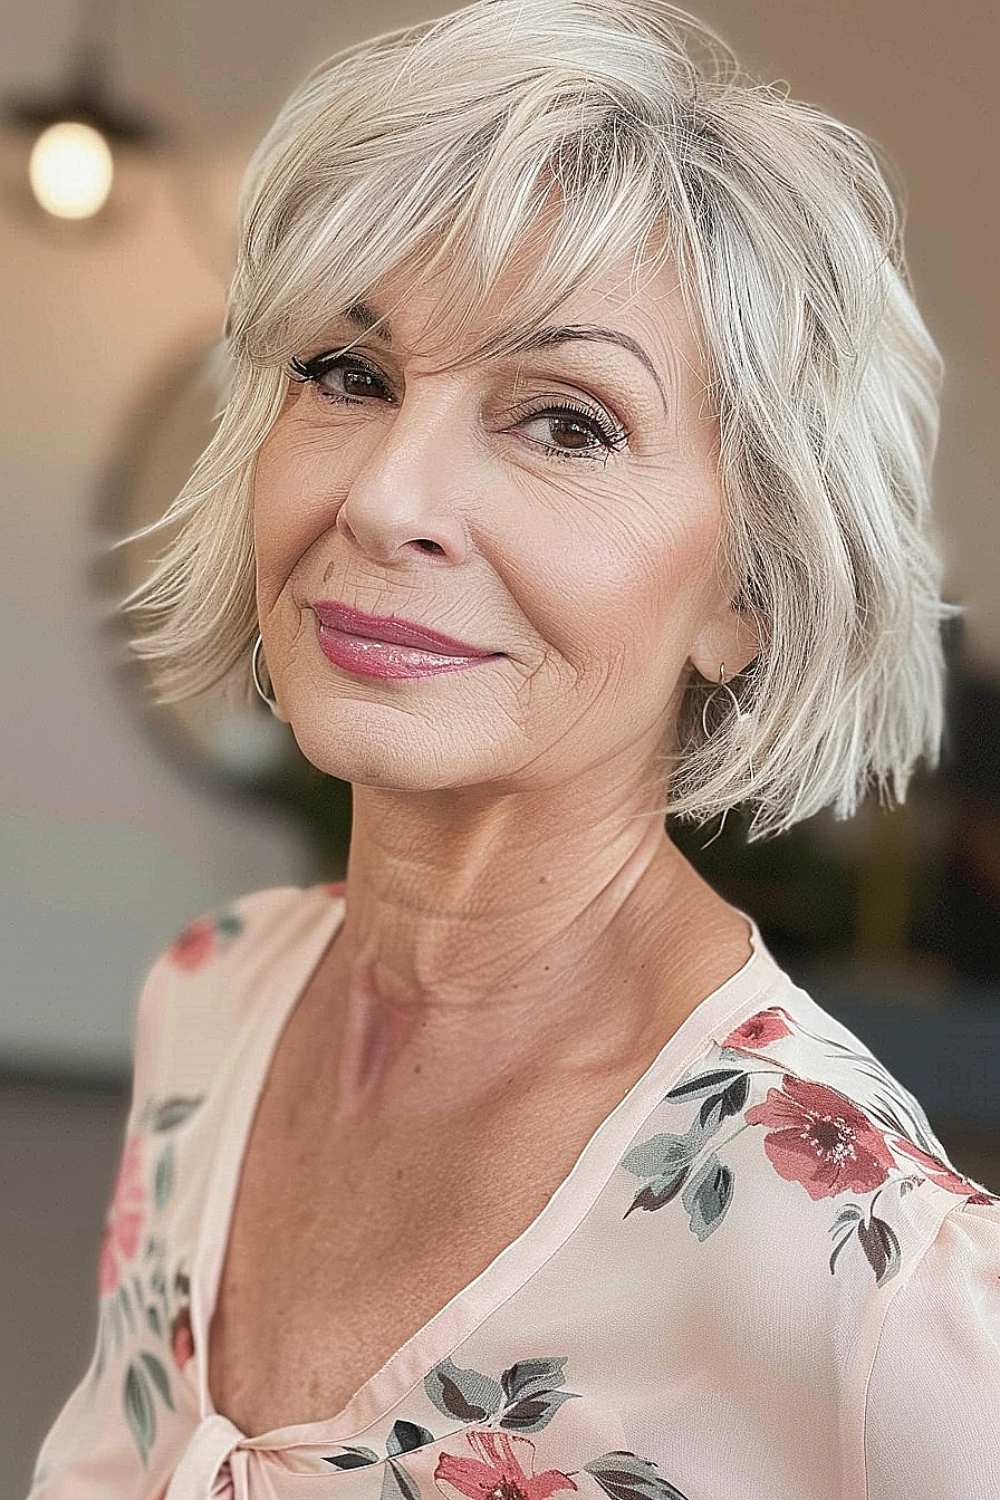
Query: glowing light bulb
pixel 71 170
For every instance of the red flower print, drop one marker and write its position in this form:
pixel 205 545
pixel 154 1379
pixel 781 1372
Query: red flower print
pixel 202 938
pixel 194 945
pixel 123 1224
pixel 759 1030
pixel 938 1172
pixel 819 1138
pixel 502 1470
pixel 181 1337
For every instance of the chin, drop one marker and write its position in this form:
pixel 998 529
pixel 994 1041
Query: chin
pixel 391 749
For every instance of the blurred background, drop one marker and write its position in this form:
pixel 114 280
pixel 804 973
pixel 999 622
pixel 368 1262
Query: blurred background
pixel 120 824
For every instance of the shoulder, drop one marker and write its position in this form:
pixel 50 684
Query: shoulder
pixel 933 1398
pixel 248 925
pixel 795 1165
pixel 787 1165
pixel 809 1115
pixel 212 975
pixel 831 1117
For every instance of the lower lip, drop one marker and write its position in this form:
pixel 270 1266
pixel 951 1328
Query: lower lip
pixel 371 658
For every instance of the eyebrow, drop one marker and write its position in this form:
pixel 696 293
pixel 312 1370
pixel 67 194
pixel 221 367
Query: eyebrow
pixel 365 318
pixel 545 338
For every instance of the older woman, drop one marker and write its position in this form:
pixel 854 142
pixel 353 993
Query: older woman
pixel 574 470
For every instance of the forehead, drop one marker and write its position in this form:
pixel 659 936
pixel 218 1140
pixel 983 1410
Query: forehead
pixel 442 317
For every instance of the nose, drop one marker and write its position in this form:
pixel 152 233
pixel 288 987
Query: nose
pixel 405 496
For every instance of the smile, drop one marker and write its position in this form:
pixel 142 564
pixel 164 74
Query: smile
pixel 385 646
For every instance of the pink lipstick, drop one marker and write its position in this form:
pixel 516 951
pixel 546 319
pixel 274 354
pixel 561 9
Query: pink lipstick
pixel 386 646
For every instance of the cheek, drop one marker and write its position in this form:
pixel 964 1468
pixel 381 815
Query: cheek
pixel 613 578
pixel 294 504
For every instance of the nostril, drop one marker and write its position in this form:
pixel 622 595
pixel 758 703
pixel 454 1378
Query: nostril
pixel 428 546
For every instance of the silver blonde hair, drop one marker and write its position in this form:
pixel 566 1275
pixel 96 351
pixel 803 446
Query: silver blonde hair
pixel 440 145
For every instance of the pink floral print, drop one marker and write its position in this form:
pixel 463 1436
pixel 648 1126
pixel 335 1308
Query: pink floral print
pixel 818 1138
pixel 528 1396
pixel 502 1468
pixel 139 1308
pixel 181 1337
pixel 760 1030
pixel 943 1175
pixel 202 939
pixel 814 1136
pixel 125 1217
pixel 193 946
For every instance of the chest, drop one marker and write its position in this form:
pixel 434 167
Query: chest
pixel 345 1242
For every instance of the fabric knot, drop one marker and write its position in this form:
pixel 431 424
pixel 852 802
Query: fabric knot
pixel 206 1470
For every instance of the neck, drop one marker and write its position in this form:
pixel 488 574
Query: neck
pixel 529 917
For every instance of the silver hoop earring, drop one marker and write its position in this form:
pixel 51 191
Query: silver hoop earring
pixel 258 644
pixel 743 716
pixel 744 719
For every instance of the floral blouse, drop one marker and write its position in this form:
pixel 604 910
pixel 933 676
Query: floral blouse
pixel 761 1280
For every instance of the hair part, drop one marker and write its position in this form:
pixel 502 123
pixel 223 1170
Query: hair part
pixel 591 133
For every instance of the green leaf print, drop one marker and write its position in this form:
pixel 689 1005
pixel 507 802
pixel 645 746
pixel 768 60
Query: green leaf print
pixel 159 1376
pixel 405 1436
pixel 708 1196
pixel 532 1413
pixel 849 1214
pixel 465 1394
pixel 728 1101
pixel 705 1083
pixel 163 1177
pixel 397 1484
pixel 352 1458
pixel 139 1408
pixel 126 1305
pixel 530 1377
pixel 881 1245
pixel 661 1190
pixel 625 1476
pixel 171 1113
pixel 667 1160
pixel 660 1156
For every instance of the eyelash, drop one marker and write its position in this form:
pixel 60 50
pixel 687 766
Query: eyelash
pixel 610 434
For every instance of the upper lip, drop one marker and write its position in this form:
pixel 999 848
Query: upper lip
pixel 392 629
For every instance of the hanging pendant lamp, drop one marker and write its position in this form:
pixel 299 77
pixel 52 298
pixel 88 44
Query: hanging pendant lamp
pixel 74 135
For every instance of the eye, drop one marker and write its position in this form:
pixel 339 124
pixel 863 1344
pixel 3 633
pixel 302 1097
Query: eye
pixel 571 430
pixel 346 378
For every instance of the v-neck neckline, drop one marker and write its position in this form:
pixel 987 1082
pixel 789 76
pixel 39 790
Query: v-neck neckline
pixel 241 1084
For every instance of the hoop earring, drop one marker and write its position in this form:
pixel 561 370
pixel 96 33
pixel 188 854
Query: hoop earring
pixel 743 716
pixel 258 644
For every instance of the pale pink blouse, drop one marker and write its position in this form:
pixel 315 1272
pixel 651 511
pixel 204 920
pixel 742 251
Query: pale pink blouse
pixel 762 1279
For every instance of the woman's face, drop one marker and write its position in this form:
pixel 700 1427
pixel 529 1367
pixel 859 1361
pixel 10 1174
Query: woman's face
pixel 558 508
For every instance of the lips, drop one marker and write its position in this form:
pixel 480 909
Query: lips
pixel 390 628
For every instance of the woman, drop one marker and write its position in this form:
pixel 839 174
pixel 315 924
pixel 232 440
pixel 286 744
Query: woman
pixel 574 468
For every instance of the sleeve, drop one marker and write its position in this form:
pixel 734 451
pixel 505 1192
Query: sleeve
pixel 123 1429
pixel 89 1452
pixel 932 1428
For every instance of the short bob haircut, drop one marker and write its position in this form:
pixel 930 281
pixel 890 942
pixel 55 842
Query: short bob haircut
pixel 443 146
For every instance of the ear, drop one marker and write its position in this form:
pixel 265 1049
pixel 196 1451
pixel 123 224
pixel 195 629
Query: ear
pixel 730 639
